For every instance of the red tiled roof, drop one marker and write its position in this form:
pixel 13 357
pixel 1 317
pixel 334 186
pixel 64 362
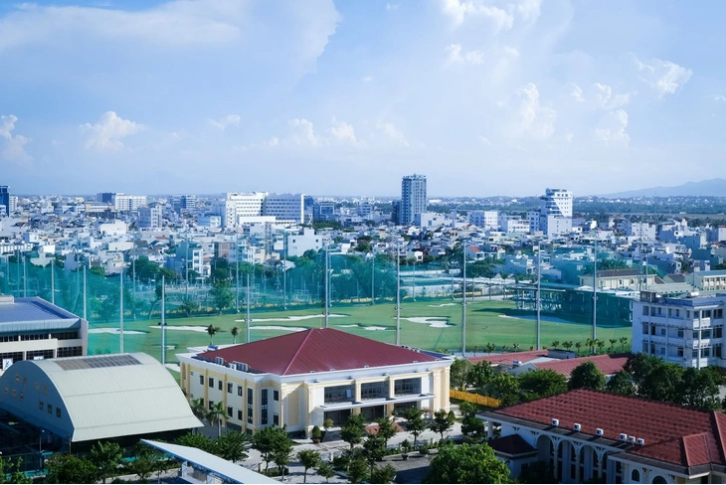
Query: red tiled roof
pixel 608 364
pixel 507 359
pixel 316 350
pixel 672 434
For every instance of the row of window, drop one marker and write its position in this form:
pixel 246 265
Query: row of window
pixel 651 329
pixel 49 408
pixel 654 311
pixel 372 390
pixel 715 351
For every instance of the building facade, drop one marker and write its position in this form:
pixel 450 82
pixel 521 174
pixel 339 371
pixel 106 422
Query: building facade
pixel 128 203
pixel 285 207
pixel 4 200
pixel 150 217
pixel 301 379
pixel 413 198
pixel 34 329
pixel 484 219
pixel 684 331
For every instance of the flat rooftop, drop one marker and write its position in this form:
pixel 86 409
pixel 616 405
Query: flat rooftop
pixel 32 309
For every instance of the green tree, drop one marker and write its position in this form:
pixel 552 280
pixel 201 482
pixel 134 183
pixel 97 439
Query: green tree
pixel 234 331
pixel 189 306
pixel 325 470
pixel 271 442
pixel 470 424
pixel 541 383
pixel 415 423
pixel 480 375
pixel 353 430
pixel 587 376
pixel 196 440
pixel 212 331
pixel 11 472
pixel 231 446
pixel 699 388
pixel 578 346
pixel 467 464
pixel 146 463
pixel 538 472
pixel 386 430
pixel 505 387
pixel 640 366
pixel 662 384
pixel 374 448
pixel 281 456
pixel 66 468
pixel 308 459
pixel 198 407
pixel 620 384
pixel 442 422
pixel 623 341
pixel 357 469
pixel 383 474
pixel 459 373
pixel 217 413
pixel 221 295
pixel 106 456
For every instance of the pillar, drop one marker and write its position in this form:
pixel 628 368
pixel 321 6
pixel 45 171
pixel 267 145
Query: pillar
pixel 578 450
pixel 556 447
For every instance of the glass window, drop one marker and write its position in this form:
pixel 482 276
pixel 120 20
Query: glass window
pixel 201 380
pixel 57 412
pixel 263 400
pixel 250 395
pixel 635 476
pixel 230 386
pixel 211 382
pixel 717 332
pixel 645 310
pixel 263 416
pixel 374 390
pixel 239 415
pixel 239 390
pixel 50 409
pixel 407 386
pixel 706 334
pixel 275 395
pixel 338 394
pixel 219 384
pixel 229 411
pixel 276 420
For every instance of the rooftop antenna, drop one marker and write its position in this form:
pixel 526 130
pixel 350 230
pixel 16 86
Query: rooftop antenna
pixel 248 320
pixel 463 306
pixel 121 311
pixel 398 293
pixel 163 320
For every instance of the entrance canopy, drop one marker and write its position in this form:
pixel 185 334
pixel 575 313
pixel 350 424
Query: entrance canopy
pixel 213 465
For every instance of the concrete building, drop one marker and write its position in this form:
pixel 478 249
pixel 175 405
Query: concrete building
pixel 685 331
pixel 709 280
pixel 614 279
pixel 364 208
pixel 413 198
pixel 105 197
pixel 300 379
pixel 484 219
pixel 323 211
pixel 13 207
pixel 128 203
pixel 307 240
pixel 555 214
pixel 428 220
pixel 285 207
pixel 4 200
pixel 150 218
pixel 594 437
pixel 101 397
pixel 33 329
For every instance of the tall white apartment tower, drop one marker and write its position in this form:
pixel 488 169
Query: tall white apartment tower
pixel 555 212
pixel 413 198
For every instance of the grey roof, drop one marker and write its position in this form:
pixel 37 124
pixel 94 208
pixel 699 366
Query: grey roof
pixel 23 314
pixel 101 397
pixel 212 464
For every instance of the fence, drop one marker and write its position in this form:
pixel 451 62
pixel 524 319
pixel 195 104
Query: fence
pixel 475 398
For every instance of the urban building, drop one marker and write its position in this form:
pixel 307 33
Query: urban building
pixel 300 379
pixel 150 217
pixel 4 200
pixel 13 207
pixel 33 329
pixel 285 207
pixel 413 198
pixel 105 197
pixel 484 219
pixel 687 331
pixel 323 211
pixel 554 217
pixel 128 203
pixel 307 240
pixel 100 397
pixel 709 280
pixel 595 437
pixel 620 279
pixel 188 202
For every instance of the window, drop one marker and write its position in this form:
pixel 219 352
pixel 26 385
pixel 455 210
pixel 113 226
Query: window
pixel 70 352
pixel 646 330
pixel 695 354
pixel 718 313
pixel 374 390
pixel 706 313
pixel 219 384
pixel 211 404
pixel 263 401
pixel 239 415
pixel 250 395
pixel 50 409
pixel 229 411
pixel 263 416
pixel 706 334
pixel 717 332
pixel 201 380
pixel 645 310
pixel 635 476
pixel 41 405
pixel 717 351
pixel 680 351
pixel 211 382
pixel 230 386
pixel 275 395
pixel 276 420
pixel 338 394
pixel 22 397
pixel 696 334
pixel 678 313
pixel 239 390
pixel 706 352
pixel 57 412
pixel 407 386
pixel 670 312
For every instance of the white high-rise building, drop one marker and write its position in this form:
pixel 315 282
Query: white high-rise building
pixel 555 212
pixel 285 207
pixel 484 219
pixel 260 207
pixel 150 217
pixel 13 204
pixel 126 203
pixel 413 198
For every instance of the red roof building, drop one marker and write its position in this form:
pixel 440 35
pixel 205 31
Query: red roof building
pixel 608 364
pixel 618 439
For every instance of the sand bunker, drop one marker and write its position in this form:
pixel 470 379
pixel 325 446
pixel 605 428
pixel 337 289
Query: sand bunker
pixel 183 328
pixel 430 321
pixel 509 316
pixel 114 331
pixel 293 318
pixel 443 304
pixel 374 328
pixel 355 325
pixel 273 327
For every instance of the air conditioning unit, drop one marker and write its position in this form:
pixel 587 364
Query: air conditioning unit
pixel 577 427
pixel 623 437
pixel 516 363
pixel 555 422
pixel 599 432
pixel 641 442
pixel 631 440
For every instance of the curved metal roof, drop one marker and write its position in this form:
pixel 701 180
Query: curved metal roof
pixel 99 397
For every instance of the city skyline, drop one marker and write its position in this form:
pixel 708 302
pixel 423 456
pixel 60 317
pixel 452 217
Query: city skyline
pixel 497 98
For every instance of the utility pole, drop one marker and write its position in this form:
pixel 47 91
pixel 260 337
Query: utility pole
pixel 373 278
pixel 163 320
pixel 284 272
pixel 248 320
pixel 327 284
pixel 133 286
pixel 414 280
pixel 538 300
pixel 186 264
pixel 463 305
pixel 85 305
pixel 52 281
pixel 236 283
pixel 121 311
pixel 25 277
pixel 398 293
pixel 594 296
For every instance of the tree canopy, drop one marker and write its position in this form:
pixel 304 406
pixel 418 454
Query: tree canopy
pixel 467 464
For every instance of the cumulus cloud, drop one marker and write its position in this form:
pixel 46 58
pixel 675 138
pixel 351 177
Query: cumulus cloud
pixel 719 98
pixel 459 10
pixel 343 132
pixel 13 149
pixel 455 56
pixel 109 131
pixel 534 119
pixel 576 93
pixel 225 121
pixel 605 98
pixel 391 6
pixel 392 133
pixel 303 133
pixel 664 77
pixel 612 129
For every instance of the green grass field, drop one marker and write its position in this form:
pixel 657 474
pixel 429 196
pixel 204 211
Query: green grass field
pixel 496 322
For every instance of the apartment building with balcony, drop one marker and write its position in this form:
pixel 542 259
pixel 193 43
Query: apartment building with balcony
pixel 687 331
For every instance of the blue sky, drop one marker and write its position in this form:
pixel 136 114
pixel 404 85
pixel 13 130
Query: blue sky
pixel 485 97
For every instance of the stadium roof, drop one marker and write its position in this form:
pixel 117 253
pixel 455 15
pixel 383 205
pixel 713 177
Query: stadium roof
pixel 316 350
pixel 23 314
pixel 212 464
pixel 97 397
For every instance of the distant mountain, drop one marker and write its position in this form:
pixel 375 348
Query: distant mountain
pixel 706 188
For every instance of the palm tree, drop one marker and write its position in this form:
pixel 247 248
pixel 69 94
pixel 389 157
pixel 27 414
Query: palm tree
pixel 475 349
pixel 623 341
pixel 197 406
pixel 600 345
pixel 212 330
pixel 590 344
pixel 612 341
pixel 491 348
pixel 555 344
pixel 567 344
pixel 217 413
pixel 578 346
pixel 504 348
pixel 515 347
pixel 234 332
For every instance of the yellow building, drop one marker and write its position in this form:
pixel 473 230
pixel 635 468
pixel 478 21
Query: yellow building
pixel 303 378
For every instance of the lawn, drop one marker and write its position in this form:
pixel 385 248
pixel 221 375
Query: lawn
pixel 496 322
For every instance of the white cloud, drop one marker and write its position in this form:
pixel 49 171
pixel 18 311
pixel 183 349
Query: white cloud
pixel 109 131
pixel 664 77
pixel 576 93
pixel 484 140
pixel 529 9
pixel 534 119
pixel 455 55
pixel 303 133
pixel 605 98
pixel 392 133
pixel 719 98
pixel 392 6
pixel 225 121
pixel 368 79
pixel 459 10
pixel 344 132
pixel 13 149
pixel 612 129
